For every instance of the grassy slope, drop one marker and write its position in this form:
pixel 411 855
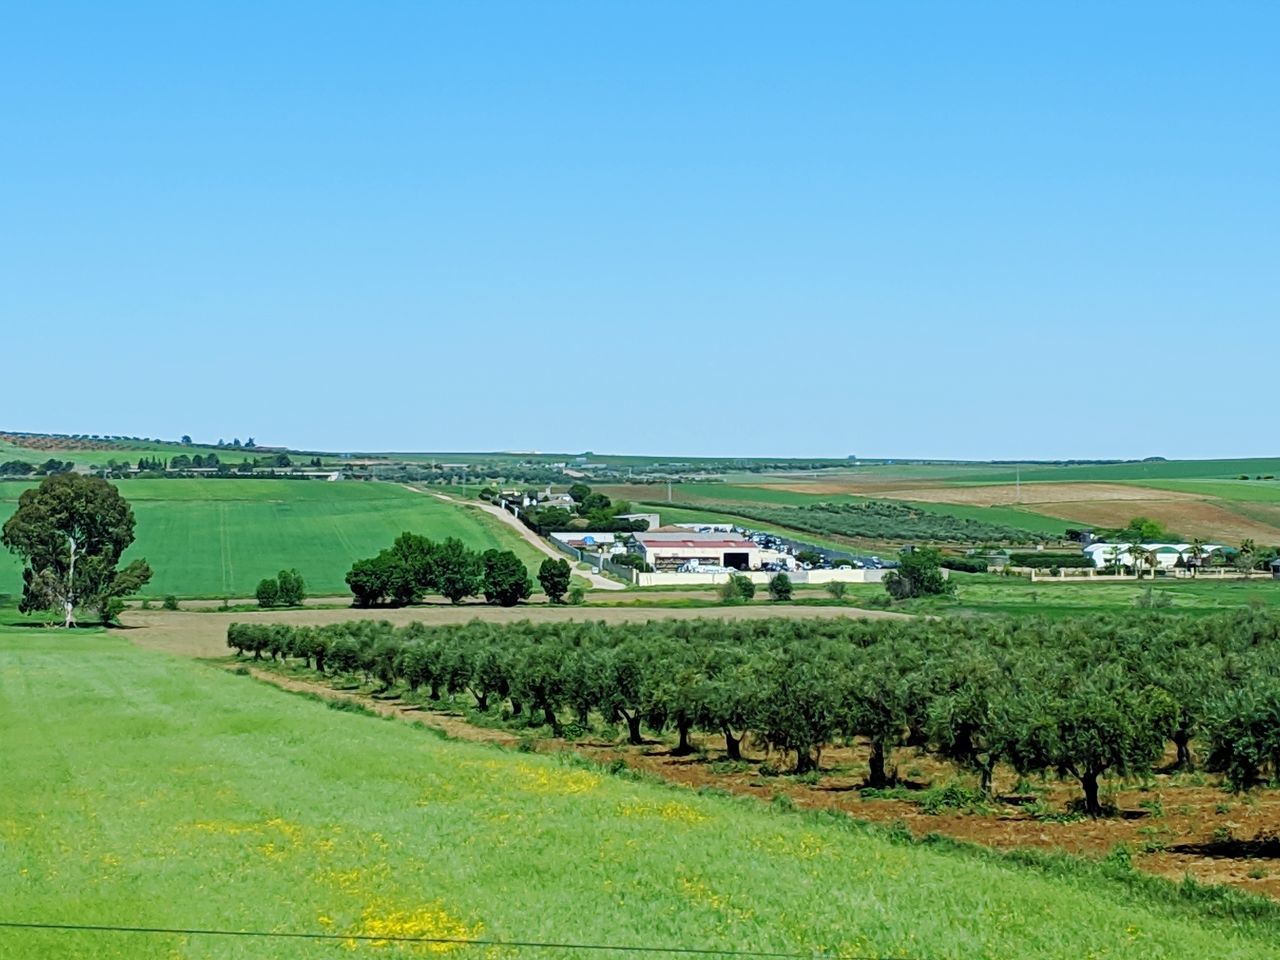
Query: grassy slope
pixel 229 804
pixel 220 537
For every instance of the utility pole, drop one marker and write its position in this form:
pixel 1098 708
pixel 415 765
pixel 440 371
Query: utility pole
pixel 668 491
pixel 1017 483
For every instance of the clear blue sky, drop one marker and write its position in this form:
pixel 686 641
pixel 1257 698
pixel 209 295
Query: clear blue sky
pixel 897 229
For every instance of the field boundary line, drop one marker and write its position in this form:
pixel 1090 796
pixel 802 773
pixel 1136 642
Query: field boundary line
pixel 444 941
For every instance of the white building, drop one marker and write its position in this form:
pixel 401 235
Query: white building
pixel 1166 554
pixel 670 551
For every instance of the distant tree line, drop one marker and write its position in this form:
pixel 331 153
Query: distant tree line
pixel 1084 699
pixel 20 468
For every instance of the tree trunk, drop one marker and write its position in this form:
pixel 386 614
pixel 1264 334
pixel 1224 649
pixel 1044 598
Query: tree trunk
pixel 517 707
pixel 633 728
pixel 683 748
pixel 549 716
pixel 984 785
pixel 732 744
pixel 482 701
pixel 875 766
pixel 319 661
pixel 805 761
pixel 1089 781
pixel 1182 740
pixel 69 604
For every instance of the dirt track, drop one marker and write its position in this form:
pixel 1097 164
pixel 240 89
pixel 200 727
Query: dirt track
pixel 597 582
pixel 205 634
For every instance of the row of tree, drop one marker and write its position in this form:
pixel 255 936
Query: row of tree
pixel 414 566
pixel 285 589
pixel 1084 699
pixel 20 468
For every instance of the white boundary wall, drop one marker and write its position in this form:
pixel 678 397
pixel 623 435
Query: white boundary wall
pixel 798 577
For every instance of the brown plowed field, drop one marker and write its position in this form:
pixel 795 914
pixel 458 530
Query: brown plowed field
pixel 205 634
pixel 1188 518
pixel 1098 504
pixel 991 495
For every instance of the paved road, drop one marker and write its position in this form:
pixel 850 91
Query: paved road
pixel 598 582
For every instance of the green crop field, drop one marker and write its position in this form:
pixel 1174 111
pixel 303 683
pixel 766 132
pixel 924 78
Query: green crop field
pixel 1139 470
pixel 1015 517
pixel 227 804
pixel 220 537
pixel 1248 491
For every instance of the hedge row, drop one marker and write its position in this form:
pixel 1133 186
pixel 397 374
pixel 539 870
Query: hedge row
pixel 1044 561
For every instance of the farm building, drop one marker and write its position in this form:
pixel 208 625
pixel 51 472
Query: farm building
pixel 670 551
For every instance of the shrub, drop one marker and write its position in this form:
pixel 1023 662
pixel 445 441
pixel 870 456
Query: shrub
pixel 268 592
pixel 965 564
pixel 554 575
pixel 780 587
pixel 577 596
pixel 918 575
pixel 290 588
pixel 170 602
pixel 737 587
pixel 506 581
pixel 1045 561
pixel 837 589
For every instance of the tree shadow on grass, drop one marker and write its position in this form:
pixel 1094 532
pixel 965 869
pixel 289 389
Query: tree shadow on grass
pixel 1265 845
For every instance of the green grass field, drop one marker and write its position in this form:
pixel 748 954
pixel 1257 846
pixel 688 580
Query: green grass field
pixel 146 790
pixel 1018 596
pixel 220 537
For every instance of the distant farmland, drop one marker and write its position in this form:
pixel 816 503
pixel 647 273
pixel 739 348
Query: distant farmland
pixel 220 537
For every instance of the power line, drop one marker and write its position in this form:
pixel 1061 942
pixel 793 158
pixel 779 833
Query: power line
pixel 447 941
